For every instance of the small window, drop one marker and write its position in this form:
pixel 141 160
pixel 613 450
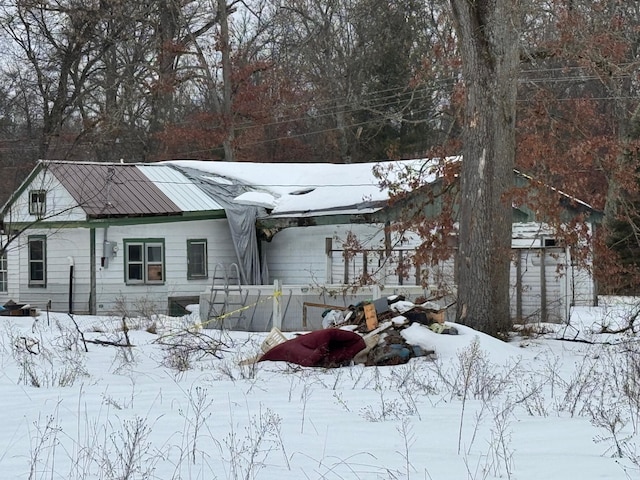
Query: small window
pixel 37 261
pixel 37 202
pixel 144 261
pixel 4 277
pixel 196 259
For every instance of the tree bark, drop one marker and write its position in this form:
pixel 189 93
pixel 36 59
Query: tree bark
pixel 227 87
pixel 488 38
pixel 163 92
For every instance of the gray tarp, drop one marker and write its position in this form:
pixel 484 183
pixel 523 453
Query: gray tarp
pixel 242 221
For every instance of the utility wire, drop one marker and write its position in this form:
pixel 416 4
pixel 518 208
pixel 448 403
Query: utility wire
pixel 392 100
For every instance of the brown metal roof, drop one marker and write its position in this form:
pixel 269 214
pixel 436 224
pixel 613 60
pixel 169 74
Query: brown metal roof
pixel 105 190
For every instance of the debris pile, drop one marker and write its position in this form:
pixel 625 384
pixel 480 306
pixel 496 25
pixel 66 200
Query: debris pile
pixel 13 309
pixel 368 333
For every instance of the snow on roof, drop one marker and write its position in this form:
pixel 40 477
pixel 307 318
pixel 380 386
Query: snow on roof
pixel 307 187
pixel 284 189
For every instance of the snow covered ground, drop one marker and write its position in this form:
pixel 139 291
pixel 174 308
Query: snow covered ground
pixel 179 405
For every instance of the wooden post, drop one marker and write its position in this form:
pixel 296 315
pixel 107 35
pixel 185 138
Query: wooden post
pixel 93 303
pixel 387 239
pixel 345 278
pixel 543 286
pixel 277 304
pixel 71 266
pixel 365 260
pixel 519 285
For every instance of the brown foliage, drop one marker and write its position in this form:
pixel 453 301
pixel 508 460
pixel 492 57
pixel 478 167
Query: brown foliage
pixel 264 119
pixel 566 144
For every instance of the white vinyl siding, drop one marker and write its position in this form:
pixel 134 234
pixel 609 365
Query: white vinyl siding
pixel 112 294
pixel 301 256
pixel 58 204
pixel 297 256
pixel 110 281
pixel 4 274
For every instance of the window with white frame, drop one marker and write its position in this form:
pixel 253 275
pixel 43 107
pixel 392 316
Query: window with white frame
pixel 196 259
pixel 37 202
pixel 144 261
pixel 4 276
pixel 37 261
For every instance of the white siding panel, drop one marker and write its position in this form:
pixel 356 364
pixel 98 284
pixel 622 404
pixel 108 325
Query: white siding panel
pixel 74 244
pixel 111 288
pixel 556 278
pixel 13 267
pixel 296 256
pixel 542 299
pixel 582 287
pixel 529 285
pixel 63 247
pixel 60 204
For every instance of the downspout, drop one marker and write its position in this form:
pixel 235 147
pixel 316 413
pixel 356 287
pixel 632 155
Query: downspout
pixel 104 260
pixel 92 263
pixel 594 281
pixel 71 265
pixel 569 285
pixel 543 284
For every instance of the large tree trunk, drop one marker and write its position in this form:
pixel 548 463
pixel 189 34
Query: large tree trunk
pixel 487 31
pixel 227 87
pixel 163 92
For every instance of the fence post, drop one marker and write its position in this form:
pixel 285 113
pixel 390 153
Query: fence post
pixel 376 291
pixel 277 304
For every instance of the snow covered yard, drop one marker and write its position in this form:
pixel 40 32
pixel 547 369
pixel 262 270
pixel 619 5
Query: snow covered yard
pixel 179 406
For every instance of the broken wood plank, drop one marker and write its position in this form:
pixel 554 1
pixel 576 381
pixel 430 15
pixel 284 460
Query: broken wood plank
pixel 370 316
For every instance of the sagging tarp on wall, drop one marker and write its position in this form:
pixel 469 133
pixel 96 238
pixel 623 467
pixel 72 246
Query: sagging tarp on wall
pixel 241 218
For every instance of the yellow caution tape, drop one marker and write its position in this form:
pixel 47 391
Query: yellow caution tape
pixel 277 294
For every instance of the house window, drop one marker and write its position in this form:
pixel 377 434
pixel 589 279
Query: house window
pixel 144 261
pixel 4 277
pixel 37 261
pixel 196 259
pixel 37 202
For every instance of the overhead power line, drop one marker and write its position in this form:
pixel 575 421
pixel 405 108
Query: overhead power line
pixel 394 96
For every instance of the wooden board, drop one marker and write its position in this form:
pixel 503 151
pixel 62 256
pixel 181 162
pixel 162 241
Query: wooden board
pixel 370 316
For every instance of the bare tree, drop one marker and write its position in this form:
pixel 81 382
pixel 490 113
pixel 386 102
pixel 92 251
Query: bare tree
pixel 362 63
pixel 57 44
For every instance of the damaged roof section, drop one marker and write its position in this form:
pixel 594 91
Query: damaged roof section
pixel 297 190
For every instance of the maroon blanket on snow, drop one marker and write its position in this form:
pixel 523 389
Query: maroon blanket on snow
pixel 330 347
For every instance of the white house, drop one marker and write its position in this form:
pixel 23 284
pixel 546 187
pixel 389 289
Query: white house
pixel 102 238
pixel 312 209
pixel 96 238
